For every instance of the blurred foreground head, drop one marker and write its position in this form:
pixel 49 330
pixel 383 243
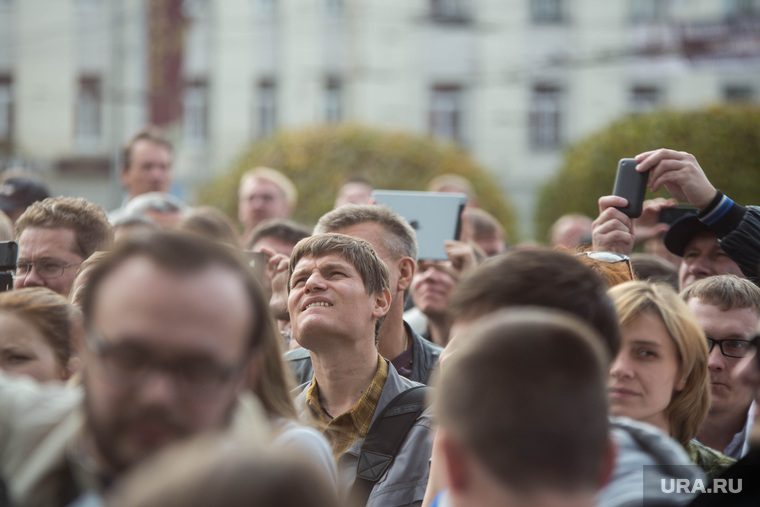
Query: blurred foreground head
pixel 180 305
pixel 220 470
pixel 544 431
pixel 538 277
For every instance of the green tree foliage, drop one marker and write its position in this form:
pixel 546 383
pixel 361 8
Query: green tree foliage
pixel 724 139
pixel 320 159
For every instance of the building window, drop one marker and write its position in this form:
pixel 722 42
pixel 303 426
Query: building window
pixel 645 99
pixel 195 112
pixel 738 9
pixel 649 10
pixel 333 100
pixel 546 11
pixel 446 112
pixel 89 113
pixel 545 117
pixel 334 8
pixel 738 94
pixel 6 108
pixel 266 109
pixel 450 11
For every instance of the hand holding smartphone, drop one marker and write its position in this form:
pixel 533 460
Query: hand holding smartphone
pixel 632 185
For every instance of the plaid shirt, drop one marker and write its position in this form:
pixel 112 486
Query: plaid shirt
pixel 346 428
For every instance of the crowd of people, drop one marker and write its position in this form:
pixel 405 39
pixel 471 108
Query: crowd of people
pixel 163 355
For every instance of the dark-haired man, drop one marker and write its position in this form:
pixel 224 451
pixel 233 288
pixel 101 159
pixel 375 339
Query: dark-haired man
pixel 554 279
pixel 173 324
pixel 146 163
pixel 524 442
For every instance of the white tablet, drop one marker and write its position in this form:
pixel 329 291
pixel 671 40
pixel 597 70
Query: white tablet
pixel 434 216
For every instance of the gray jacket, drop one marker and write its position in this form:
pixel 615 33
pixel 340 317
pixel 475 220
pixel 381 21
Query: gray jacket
pixel 425 356
pixel 639 446
pixel 405 480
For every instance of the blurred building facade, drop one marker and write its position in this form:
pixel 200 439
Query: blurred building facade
pixel 513 81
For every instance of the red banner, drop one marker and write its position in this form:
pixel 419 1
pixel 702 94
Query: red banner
pixel 166 28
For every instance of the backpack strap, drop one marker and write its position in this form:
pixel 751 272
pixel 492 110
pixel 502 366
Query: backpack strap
pixel 384 439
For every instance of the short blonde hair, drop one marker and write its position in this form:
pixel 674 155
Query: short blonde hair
pixel 276 177
pixel 688 407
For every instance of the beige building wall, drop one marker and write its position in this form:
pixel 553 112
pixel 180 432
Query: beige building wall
pixel 385 58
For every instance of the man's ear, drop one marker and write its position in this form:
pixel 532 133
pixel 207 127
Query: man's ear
pixel 405 273
pixel 608 462
pixel 382 303
pixel 455 461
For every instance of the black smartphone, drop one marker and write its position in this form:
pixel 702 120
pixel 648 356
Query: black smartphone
pixel 670 215
pixel 8 257
pixel 632 185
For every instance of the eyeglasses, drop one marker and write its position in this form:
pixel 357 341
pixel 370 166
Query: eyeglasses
pixel 754 345
pixel 610 258
pixel 44 268
pixel 730 348
pixel 194 379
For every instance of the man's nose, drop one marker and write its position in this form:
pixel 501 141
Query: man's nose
pixel 701 266
pixel 32 278
pixel 716 361
pixel 157 387
pixel 314 282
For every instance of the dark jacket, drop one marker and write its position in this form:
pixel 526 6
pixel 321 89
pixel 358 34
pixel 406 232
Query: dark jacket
pixel 744 470
pixel 738 231
pixel 425 356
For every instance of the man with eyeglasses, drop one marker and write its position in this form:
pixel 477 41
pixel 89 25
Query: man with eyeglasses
pixel 728 309
pixel 742 475
pixel 54 237
pixel 173 325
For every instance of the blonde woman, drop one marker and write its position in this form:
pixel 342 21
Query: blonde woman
pixel 660 375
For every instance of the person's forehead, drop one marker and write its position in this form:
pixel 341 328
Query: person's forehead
pixel 734 320
pixel 146 294
pixel 308 262
pixel 371 232
pixel 42 242
pixel 261 186
pixel 147 147
pixel 355 188
pixel 17 330
pixel 703 240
